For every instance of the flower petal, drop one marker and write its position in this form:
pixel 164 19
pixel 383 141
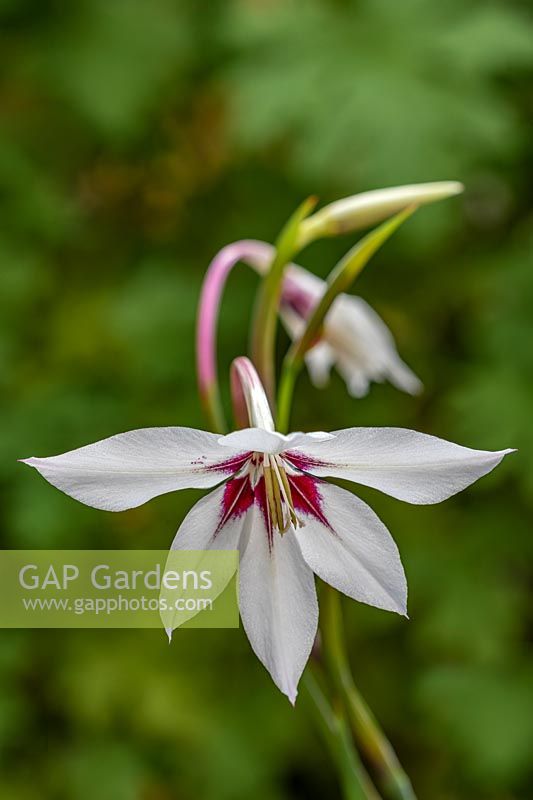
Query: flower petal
pixel 319 360
pixel 297 279
pixel 278 604
pixel 356 377
pixel 402 376
pixel 406 464
pixel 263 441
pixel 128 469
pixel 347 545
pixel 216 522
pixel 365 347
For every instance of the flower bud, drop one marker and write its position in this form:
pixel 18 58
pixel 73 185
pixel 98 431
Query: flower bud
pixel 367 209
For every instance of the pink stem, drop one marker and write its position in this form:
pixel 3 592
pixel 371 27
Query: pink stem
pixel 259 254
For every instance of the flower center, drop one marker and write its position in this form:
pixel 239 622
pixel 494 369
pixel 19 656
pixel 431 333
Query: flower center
pixel 280 504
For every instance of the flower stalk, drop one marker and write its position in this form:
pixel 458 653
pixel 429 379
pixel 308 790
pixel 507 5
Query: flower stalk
pixel 206 324
pixel 355 782
pixel 264 322
pixel 370 739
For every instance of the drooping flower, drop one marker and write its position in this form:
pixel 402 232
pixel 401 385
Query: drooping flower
pixel 275 508
pixel 354 338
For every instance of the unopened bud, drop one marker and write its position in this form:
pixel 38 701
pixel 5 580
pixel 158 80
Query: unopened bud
pixel 367 209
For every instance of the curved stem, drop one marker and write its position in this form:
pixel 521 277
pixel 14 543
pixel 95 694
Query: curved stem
pixel 259 256
pixel 263 339
pixel 286 390
pixel 371 740
pixel 356 784
pixel 206 325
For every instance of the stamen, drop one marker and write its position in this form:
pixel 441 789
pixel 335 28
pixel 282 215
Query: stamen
pixel 288 497
pixel 279 495
pixel 269 491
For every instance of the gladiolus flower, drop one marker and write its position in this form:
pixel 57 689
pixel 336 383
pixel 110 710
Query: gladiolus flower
pixel 275 508
pixel 354 338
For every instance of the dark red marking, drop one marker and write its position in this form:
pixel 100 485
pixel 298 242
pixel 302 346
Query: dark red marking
pixel 262 503
pixel 229 466
pixel 307 498
pixel 301 461
pixel 296 298
pixel 238 497
pixel 236 500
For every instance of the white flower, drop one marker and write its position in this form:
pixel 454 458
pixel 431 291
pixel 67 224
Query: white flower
pixel 273 506
pixel 354 338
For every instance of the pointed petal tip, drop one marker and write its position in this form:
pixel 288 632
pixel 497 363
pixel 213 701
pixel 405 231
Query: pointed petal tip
pixel 169 632
pixel 401 610
pixel 292 694
pixel 415 388
pixel 499 455
pixel 32 461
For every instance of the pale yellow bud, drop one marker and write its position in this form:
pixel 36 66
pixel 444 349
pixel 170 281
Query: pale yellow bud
pixel 369 208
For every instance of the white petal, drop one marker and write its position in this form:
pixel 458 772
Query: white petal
pixel 406 464
pixel 278 604
pixel 202 530
pixel 254 439
pixel 128 469
pixel 300 279
pixel 365 347
pixel 293 323
pixel 262 441
pixel 319 361
pixel 359 340
pixel 303 439
pixel 357 319
pixel 356 554
pixel 355 376
pixel 402 376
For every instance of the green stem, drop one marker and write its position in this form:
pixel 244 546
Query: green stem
pixel 356 784
pixel 263 341
pixel 286 391
pixel 372 742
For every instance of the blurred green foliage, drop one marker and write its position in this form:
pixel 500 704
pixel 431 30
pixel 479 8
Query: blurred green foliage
pixel 136 139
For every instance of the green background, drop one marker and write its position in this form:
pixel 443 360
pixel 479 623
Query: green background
pixel 136 139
